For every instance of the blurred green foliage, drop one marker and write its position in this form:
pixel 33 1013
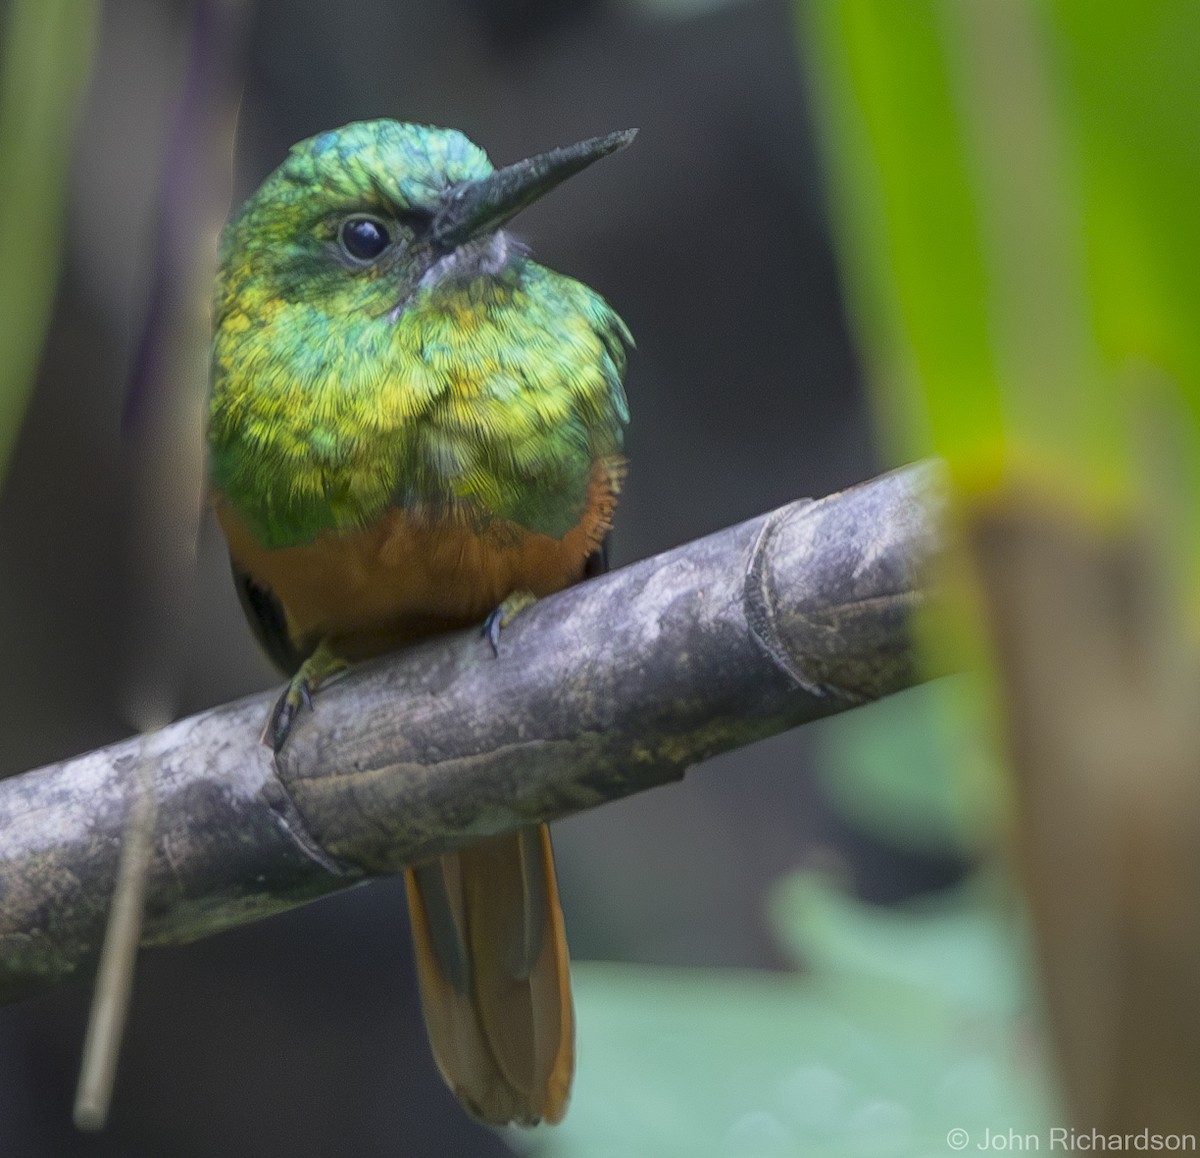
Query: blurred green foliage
pixel 1129 84
pixel 906 215
pixel 911 770
pixel 907 1023
pixel 44 60
pixel 1014 189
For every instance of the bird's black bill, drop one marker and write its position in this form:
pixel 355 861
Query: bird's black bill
pixel 477 207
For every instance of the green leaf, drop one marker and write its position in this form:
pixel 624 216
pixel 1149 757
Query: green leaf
pixel 1013 188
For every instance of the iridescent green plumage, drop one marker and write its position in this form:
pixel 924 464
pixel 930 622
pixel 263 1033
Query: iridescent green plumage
pixel 475 382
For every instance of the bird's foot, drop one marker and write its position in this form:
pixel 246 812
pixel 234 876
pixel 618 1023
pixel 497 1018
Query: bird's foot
pixel 508 610
pixel 313 672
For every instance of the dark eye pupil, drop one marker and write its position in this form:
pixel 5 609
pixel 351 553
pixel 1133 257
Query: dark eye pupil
pixel 363 238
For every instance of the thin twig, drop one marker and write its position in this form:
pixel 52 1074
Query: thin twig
pixel 114 976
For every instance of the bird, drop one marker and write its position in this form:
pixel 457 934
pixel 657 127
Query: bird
pixel 415 428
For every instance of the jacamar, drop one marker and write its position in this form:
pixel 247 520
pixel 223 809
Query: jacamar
pixel 413 428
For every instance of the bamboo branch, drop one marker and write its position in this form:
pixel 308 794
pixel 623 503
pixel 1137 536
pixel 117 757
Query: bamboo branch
pixel 613 687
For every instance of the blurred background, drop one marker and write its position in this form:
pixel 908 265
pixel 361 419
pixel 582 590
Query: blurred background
pixel 808 946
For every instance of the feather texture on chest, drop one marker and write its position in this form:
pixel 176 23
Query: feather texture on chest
pixel 407 576
pixel 498 392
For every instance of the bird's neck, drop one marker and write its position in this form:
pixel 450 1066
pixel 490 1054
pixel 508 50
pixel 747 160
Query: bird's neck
pixel 492 263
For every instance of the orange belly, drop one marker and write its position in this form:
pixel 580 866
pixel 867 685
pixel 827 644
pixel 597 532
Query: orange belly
pixel 405 577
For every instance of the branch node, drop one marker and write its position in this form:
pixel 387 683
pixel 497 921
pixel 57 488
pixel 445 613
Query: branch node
pixel 761 610
pixel 280 801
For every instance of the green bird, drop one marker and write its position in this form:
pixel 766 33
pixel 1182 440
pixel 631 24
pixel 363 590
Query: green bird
pixel 413 428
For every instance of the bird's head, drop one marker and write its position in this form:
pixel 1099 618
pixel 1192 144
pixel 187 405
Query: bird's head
pixel 363 217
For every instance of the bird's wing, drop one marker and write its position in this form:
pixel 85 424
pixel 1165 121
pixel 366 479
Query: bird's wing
pixel 268 621
pixel 597 563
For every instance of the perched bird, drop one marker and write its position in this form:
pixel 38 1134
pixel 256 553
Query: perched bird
pixel 413 428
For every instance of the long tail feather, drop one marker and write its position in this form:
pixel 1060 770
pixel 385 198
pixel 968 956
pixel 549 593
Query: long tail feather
pixel 494 976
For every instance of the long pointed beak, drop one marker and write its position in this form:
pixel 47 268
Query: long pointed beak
pixel 476 207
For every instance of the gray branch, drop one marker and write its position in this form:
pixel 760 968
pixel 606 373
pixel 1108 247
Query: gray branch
pixel 613 687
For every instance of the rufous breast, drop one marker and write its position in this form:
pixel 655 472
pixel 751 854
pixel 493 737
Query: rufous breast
pixel 408 575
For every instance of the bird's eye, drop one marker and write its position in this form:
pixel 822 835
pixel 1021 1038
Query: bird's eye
pixel 363 238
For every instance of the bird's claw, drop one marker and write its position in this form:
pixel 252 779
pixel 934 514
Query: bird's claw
pixel 503 615
pixel 295 696
pixel 492 628
pixel 315 670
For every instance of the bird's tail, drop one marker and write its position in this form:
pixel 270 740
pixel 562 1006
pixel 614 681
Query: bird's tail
pixel 494 975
